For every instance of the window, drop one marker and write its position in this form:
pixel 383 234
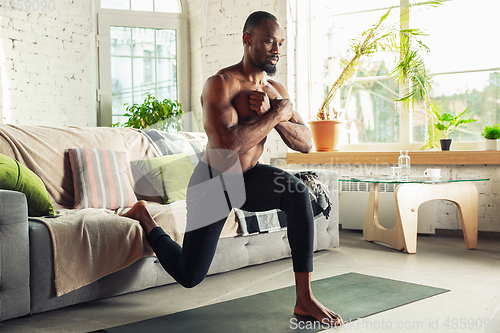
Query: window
pixel 463 63
pixel 143 48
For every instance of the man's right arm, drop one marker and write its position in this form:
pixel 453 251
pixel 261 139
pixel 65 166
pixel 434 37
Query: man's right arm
pixel 220 118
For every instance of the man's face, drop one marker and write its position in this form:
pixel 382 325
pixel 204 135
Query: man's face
pixel 267 40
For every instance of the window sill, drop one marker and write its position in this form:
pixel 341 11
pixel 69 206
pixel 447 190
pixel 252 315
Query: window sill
pixel 417 157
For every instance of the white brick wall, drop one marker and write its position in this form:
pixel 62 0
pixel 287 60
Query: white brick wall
pixel 216 30
pixel 48 65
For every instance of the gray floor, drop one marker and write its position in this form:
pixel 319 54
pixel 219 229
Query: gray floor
pixel 472 276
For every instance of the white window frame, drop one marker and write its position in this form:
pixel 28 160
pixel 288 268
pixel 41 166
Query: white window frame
pixel 309 109
pixel 129 18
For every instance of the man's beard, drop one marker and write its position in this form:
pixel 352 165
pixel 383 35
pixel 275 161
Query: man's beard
pixel 269 68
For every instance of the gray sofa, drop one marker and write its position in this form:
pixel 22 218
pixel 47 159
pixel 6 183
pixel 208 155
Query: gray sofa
pixel 27 264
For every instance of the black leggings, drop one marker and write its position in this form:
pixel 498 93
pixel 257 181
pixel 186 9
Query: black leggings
pixel 266 188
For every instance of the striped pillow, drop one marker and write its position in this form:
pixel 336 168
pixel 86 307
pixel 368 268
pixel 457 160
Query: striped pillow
pixel 100 178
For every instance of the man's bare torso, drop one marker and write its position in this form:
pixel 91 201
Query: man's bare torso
pixel 240 90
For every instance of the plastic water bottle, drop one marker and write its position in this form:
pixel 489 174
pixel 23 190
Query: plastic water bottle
pixel 404 164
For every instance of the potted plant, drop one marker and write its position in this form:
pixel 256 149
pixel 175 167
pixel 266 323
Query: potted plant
pixel 491 134
pixel 162 115
pixel 446 123
pixel 409 71
pixel 326 129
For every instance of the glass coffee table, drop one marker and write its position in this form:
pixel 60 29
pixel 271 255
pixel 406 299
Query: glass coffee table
pixel 409 196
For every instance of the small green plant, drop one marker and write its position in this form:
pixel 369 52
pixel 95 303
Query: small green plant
pixel 491 132
pixel 447 123
pixel 163 115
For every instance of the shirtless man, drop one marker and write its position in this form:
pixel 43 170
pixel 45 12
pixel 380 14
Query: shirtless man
pixel 240 107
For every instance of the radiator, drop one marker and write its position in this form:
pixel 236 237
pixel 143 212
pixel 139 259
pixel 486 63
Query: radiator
pixel 353 198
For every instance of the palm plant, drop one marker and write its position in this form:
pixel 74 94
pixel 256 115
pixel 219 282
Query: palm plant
pixel 365 45
pixel 409 71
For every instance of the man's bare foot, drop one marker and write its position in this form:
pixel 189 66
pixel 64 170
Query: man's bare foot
pixel 307 305
pixel 140 213
pixel 313 308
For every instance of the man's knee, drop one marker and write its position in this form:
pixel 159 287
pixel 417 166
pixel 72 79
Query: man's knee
pixel 296 192
pixel 191 281
pixel 299 190
pixel 192 276
pixel 302 188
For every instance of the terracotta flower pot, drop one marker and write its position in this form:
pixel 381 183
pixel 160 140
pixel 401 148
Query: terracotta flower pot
pixel 326 134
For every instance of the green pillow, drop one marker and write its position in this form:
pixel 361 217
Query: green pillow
pixel 16 177
pixel 169 175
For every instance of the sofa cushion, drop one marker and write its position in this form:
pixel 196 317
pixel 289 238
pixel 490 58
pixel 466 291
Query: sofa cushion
pixel 169 175
pixel 191 143
pixel 100 178
pixel 17 177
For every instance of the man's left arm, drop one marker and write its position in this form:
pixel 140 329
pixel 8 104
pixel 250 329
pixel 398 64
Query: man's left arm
pixel 294 132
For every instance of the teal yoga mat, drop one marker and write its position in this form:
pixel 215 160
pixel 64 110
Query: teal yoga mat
pixel 352 295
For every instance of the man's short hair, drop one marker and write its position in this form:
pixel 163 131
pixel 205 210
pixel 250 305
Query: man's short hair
pixel 254 20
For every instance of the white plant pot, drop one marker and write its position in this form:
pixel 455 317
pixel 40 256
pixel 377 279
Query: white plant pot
pixel 490 144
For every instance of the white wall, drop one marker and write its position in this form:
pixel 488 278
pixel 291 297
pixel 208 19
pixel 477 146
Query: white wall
pixel 48 65
pixel 48 58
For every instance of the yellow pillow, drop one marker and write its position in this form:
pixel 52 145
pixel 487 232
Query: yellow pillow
pixel 169 175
